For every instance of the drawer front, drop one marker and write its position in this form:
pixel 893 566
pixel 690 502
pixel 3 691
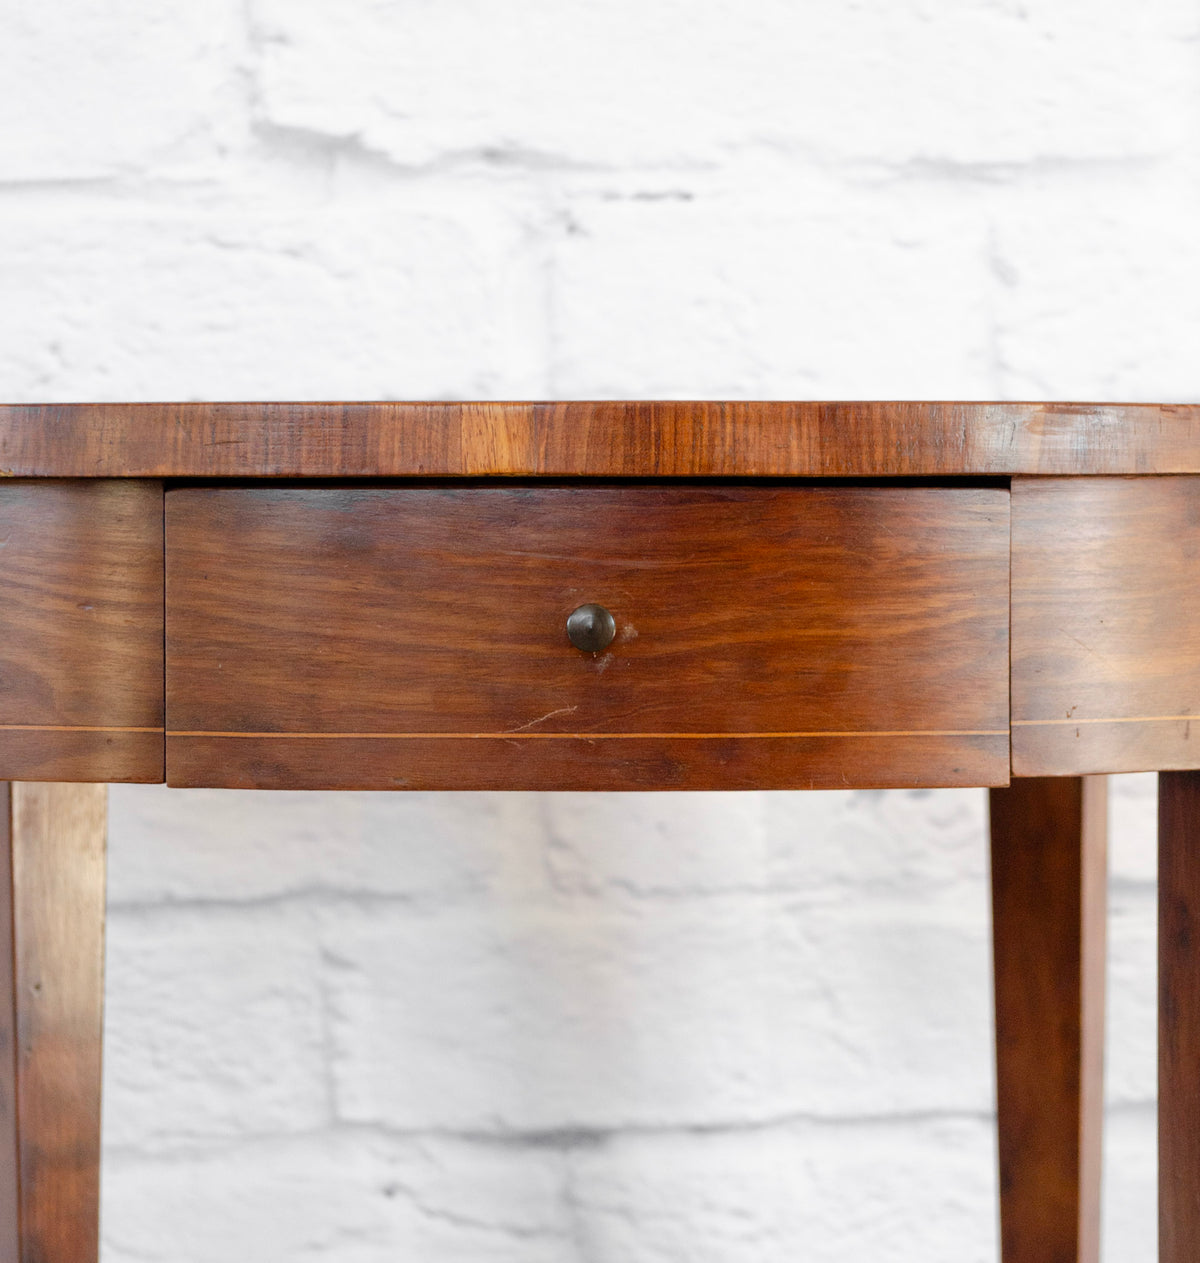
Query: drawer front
pixel 765 637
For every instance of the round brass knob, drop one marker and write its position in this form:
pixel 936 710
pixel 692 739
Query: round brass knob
pixel 591 628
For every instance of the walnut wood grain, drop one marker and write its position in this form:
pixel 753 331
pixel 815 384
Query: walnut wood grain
pixel 52 962
pixel 767 637
pixel 81 628
pixel 1105 612
pixel 1049 898
pixel 10 1159
pixel 596 439
pixel 1178 1016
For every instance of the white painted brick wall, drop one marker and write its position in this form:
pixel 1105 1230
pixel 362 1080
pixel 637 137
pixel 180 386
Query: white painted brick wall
pixel 628 1029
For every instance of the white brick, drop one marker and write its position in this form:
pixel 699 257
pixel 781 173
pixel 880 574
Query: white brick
pixel 1133 833
pixel 213 1026
pixel 1130 1198
pixel 1131 1075
pixel 820 846
pixel 351 1199
pixel 835 847
pixel 194 845
pixel 91 89
pixel 1100 296
pixel 671 82
pixel 706 1012
pixel 822 1194
pixel 403 296
pixel 646 845
pixel 780 286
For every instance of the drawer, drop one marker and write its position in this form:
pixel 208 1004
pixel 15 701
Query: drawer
pixel 415 637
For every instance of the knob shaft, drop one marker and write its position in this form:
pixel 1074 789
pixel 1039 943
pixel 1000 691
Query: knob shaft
pixel 591 628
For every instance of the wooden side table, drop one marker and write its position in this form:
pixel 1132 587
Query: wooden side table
pixel 612 596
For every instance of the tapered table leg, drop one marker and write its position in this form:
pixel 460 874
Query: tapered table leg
pixel 1049 875
pixel 1179 1017
pixel 51 980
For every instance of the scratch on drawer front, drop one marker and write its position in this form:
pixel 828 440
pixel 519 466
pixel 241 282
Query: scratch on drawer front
pixel 541 719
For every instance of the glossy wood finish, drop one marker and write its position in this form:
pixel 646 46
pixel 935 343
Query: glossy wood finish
pixel 53 963
pixel 1105 619
pixel 657 439
pixel 767 637
pixel 1049 872
pixel 1178 1016
pixel 81 629
pixel 10 1161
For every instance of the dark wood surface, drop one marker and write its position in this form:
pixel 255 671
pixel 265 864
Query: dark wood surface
pixel 1105 625
pixel 53 964
pixel 596 439
pixel 81 628
pixel 10 1163
pixel 767 637
pixel 1049 872
pixel 1178 1016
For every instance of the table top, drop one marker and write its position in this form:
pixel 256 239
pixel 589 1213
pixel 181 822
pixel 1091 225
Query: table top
pixel 643 439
